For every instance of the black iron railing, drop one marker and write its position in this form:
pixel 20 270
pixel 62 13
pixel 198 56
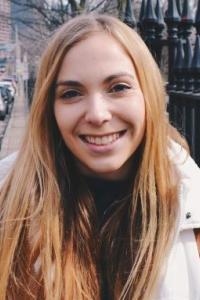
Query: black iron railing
pixel 178 29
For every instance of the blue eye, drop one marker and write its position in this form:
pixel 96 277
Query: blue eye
pixel 70 94
pixel 120 87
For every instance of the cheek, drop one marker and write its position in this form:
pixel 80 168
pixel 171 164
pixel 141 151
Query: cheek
pixel 63 119
pixel 134 112
pixel 139 109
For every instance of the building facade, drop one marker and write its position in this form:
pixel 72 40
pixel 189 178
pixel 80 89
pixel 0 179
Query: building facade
pixel 5 24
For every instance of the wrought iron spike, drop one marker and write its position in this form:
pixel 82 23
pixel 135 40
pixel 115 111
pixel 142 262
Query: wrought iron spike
pixel 148 25
pixel 197 18
pixel 187 13
pixel 178 66
pixel 196 65
pixel 172 14
pixel 179 55
pixel 150 14
pixel 196 56
pixel 159 13
pixel 160 25
pixel 141 17
pixel 187 66
pixel 172 19
pixel 187 20
pixel 178 4
pixel 142 10
pixel 187 54
pixel 129 17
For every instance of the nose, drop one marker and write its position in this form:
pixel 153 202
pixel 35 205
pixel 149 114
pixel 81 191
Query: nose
pixel 97 111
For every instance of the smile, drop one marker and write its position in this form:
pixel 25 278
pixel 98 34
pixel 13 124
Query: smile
pixel 102 140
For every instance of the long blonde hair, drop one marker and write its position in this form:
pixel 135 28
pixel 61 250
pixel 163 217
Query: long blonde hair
pixel 48 246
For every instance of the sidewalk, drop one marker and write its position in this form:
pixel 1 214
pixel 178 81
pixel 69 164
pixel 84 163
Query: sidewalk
pixel 15 129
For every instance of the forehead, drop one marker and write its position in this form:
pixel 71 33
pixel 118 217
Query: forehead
pixel 98 53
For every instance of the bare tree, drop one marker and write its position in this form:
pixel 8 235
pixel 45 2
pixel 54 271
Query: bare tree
pixel 37 19
pixel 52 15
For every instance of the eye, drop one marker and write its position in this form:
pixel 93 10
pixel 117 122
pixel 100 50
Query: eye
pixel 120 87
pixel 70 94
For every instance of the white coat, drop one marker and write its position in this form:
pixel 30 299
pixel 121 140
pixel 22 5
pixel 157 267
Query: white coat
pixel 180 279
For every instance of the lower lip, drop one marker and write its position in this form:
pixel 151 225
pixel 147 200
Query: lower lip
pixel 103 148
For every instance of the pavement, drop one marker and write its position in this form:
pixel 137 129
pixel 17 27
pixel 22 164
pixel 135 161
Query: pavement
pixel 16 125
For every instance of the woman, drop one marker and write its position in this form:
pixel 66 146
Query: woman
pixel 95 206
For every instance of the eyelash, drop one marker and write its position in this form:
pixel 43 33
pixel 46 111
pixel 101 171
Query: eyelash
pixel 120 88
pixel 117 88
pixel 70 94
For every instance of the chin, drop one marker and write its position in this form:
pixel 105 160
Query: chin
pixel 105 169
pixel 111 172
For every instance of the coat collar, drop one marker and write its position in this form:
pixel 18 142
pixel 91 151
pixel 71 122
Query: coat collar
pixel 189 193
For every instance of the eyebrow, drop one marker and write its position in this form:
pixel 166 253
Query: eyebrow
pixel 75 83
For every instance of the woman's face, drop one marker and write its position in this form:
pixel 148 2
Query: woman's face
pixel 99 106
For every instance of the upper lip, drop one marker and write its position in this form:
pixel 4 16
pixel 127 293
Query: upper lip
pixel 102 134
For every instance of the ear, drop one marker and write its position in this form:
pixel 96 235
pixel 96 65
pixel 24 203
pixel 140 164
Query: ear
pixel 197 235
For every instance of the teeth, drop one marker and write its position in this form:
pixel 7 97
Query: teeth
pixel 104 140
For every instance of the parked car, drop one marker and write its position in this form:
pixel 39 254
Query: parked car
pixel 11 81
pixel 10 90
pixel 9 85
pixel 6 97
pixel 3 108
